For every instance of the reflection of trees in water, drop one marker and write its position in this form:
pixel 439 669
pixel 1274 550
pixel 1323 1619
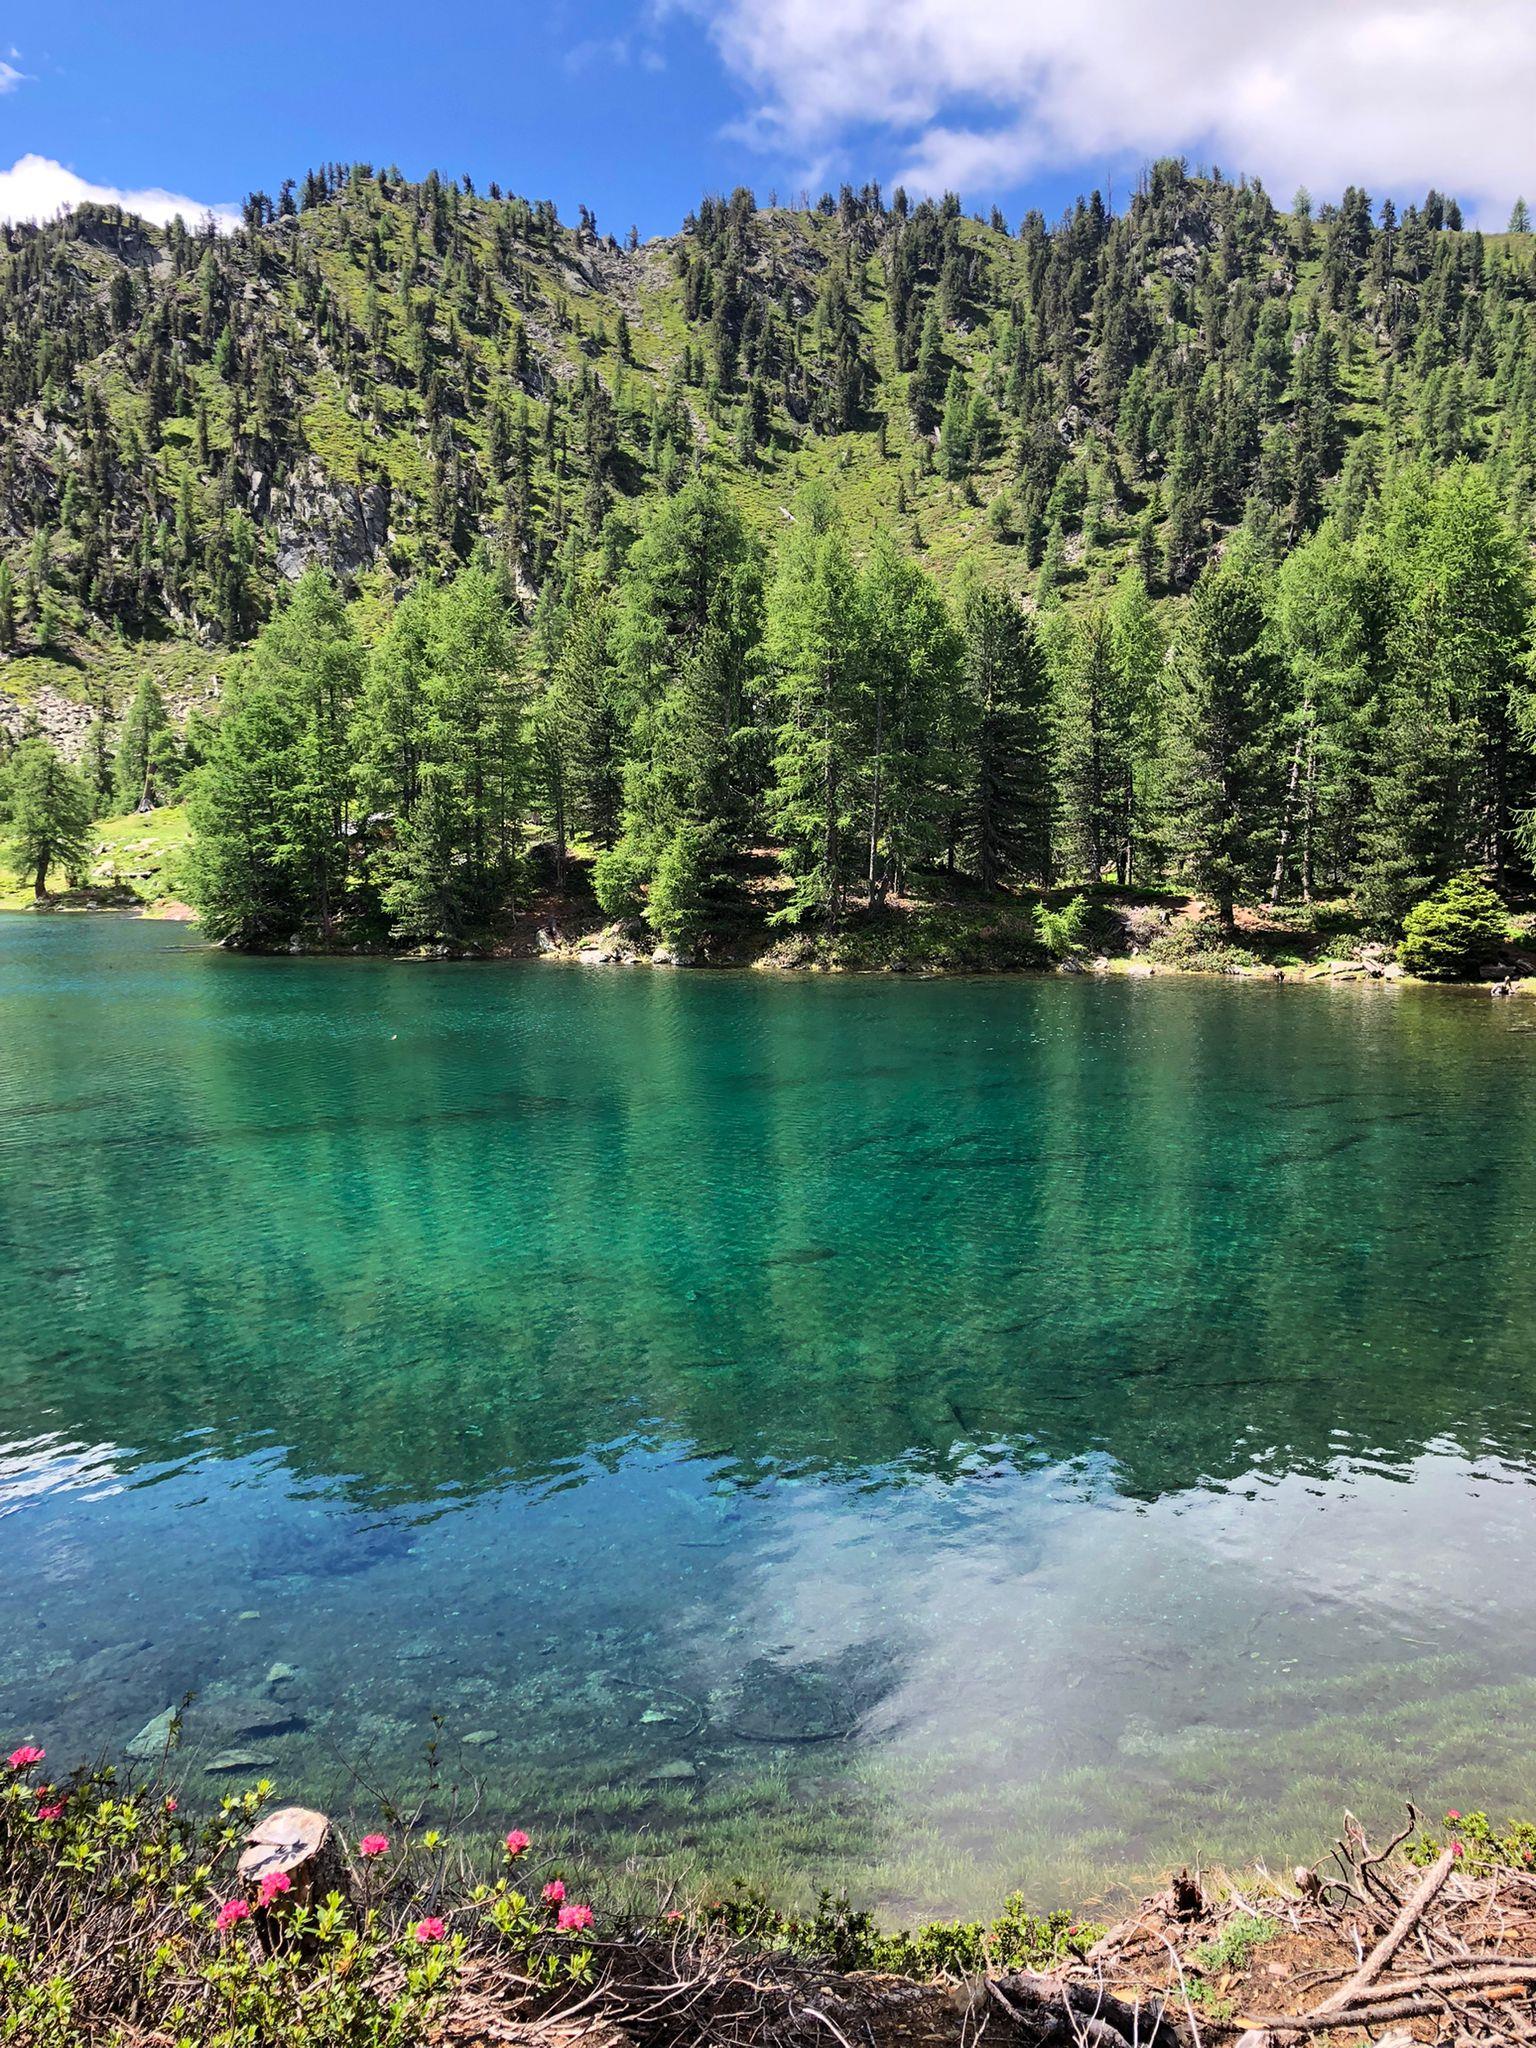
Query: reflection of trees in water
pixel 1175 1234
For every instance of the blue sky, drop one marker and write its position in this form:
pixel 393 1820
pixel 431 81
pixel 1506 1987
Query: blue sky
pixel 635 109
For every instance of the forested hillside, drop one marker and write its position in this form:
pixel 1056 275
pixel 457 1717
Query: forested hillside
pixel 1189 543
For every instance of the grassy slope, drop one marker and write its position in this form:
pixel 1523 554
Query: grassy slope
pixel 135 856
pixel 385 431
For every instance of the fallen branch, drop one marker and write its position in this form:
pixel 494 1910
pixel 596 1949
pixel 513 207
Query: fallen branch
pixel 1412 1912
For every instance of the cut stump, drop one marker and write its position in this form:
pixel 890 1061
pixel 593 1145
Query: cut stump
pixel 302 1845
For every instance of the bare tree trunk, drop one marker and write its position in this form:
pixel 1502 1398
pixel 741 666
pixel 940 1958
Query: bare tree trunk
pixel 874 804
pixel 831 849
pixel 1308 817
pixel 1285 818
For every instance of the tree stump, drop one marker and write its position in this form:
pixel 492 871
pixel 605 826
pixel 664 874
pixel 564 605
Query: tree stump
pixel 303 1845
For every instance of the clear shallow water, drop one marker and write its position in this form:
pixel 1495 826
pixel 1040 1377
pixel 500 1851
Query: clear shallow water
pixel 990 1433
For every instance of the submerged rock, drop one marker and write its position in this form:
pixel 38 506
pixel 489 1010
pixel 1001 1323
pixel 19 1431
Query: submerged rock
pixel 773 1702
pixel 237 1760
pixel 245 1717
pixel 151 1740
pixel 678 1772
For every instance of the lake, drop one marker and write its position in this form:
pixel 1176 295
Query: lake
pixel 929 1436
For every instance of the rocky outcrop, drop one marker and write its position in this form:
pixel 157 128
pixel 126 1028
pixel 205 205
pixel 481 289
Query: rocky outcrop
pixel 343 526
pixel 58 718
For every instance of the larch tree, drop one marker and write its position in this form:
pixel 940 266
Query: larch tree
pixel 814 644
pixel 271 806
pixel 45 813
pixel 912 659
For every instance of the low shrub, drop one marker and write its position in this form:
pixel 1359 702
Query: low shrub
pixel 619 877
pixel 1454 932
pixel 1200 946
pixel 120 1916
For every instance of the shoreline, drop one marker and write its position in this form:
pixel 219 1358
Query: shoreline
pixel 381 1928
pixel 775 957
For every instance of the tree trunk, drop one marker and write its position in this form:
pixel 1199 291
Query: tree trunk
pixel 302 1846
pixel 40 881
pixel 874 803
pixel 1286 815
pixel 1308 818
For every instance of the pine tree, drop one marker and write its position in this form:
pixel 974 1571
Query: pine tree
pixel 955 429
pixel 1139 648
pixel 686 634
pixel 1095 745
pixel 925 394
pixel 1453 770
pixel 586 701
pixel 146 751
pixel 454 854
pixel 96 768
pixel 1319 615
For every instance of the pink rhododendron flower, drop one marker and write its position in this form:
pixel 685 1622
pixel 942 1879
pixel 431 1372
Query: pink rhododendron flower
pixel 23 1759
pixel 170 1802
pixel 1453 1814
pixel 517 1842
pixel 374 1845
pixel 674 1915
pixel 574 1917
pixel 430 1930
pixel 273 1884
pixel 231 1911
pixel 554 1892
pixel 1456 1849
pixel 49 1812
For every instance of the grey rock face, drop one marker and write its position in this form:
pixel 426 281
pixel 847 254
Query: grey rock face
pixel 342 525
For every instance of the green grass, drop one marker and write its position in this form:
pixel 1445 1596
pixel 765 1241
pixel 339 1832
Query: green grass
pixel 136 858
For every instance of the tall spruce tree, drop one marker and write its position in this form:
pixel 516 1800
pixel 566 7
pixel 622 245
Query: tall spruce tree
pixel 1227 731
pixel 1453 769
pixel 454 854
pixel 912 657
pixel 1007 769
pixel 148 759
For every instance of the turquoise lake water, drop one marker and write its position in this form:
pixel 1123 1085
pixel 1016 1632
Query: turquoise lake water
pixel 930 1436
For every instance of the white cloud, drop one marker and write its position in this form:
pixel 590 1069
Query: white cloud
pixel 37 188
pixel 10 77
pixel 1389 93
